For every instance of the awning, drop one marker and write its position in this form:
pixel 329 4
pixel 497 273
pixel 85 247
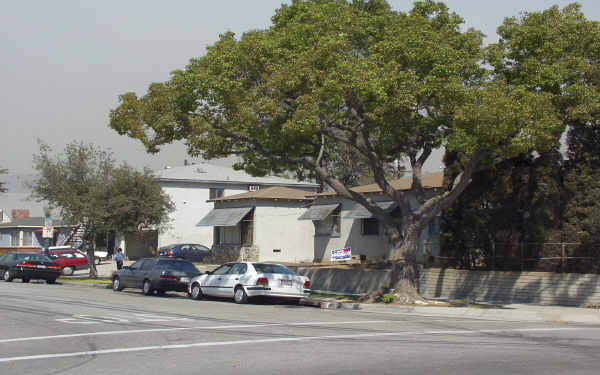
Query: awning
pixel 318 211
pixel 224 217
pixel 360 212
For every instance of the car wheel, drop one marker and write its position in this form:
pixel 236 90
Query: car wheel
pixel 117 284
pixel 25 279
pixel 240 296
pixel 196 292
pixel 8 276
pixel 147 289
pixel 51 281
pixel 160 292
pixel 67 271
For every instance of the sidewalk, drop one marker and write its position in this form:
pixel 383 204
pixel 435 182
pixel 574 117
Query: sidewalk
pixel 512 312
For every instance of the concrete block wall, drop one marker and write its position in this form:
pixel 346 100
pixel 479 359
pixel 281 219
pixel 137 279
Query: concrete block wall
pixel 541 288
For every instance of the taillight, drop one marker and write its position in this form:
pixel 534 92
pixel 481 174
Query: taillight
pixel 262 281
pixel 307 284
pixel 170 252
pixel 169 277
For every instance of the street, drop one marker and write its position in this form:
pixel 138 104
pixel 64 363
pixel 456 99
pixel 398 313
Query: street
pixel 60 329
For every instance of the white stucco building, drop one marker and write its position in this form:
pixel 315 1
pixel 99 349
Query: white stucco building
pixel 262 226
pixel 191 187
pixel 340 223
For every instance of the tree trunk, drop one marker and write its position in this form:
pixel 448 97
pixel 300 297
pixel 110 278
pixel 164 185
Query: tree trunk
pixel 405 271
pixel 92 257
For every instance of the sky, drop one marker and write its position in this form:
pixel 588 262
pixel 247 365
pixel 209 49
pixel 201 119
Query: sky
pixel 64 63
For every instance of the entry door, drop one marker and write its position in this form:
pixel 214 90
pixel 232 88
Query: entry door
pixel 212 283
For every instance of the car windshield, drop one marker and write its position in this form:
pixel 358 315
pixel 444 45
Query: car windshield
pixel 272 268
pixel 177 265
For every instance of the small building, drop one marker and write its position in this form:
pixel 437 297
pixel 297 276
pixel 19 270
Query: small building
pixel 340 223
pixel 193 188
pixel 261 225
pixel 25 235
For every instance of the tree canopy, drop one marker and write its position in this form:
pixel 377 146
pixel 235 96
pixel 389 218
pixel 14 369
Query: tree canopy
pixel 89 189
pixel 388 85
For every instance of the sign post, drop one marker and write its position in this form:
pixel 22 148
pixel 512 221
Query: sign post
pixel 47 233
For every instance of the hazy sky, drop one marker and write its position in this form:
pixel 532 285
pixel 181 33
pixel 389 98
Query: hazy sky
pixel 65 62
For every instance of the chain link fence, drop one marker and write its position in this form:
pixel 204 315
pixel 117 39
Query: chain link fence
pixel 567 257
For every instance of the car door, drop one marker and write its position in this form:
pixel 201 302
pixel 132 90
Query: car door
pixel 212 282
pixel 143 273
pixel 231 279
pixel 128 275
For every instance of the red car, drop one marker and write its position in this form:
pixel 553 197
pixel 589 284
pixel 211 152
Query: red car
pixel 68 259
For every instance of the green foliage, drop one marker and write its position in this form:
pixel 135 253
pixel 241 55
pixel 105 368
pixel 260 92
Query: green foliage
pixel 388 298
pixel 88 188
pixel 331 74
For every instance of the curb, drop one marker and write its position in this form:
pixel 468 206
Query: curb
pixel 330 305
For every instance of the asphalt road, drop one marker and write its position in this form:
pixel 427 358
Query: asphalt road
pixel 60 329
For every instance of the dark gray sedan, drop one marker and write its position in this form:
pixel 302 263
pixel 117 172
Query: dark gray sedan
pixel 155 275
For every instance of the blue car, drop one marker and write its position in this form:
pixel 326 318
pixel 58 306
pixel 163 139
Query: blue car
pixel 188 251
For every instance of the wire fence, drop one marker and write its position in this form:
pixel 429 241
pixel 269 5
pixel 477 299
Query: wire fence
pixel 572 257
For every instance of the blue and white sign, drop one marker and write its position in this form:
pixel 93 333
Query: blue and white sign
pixel 342 254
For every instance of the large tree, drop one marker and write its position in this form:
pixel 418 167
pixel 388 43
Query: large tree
pixel 389 85
pixel 88 188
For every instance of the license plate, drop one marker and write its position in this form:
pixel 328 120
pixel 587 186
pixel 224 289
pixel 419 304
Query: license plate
pixel 40 266
pixel 286 283
pixel 185 279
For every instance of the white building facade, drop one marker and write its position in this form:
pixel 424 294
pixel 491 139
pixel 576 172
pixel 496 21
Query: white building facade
pixel 191 188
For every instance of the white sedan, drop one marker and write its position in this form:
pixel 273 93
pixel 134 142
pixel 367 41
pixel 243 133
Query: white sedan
pixel 243 280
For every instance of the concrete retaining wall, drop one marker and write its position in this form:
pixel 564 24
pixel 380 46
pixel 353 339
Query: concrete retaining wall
pixel 541 288
pixel 544 288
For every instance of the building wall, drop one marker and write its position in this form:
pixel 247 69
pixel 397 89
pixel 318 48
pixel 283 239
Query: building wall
pixel 372 246
pixel 276 227
pixel 190 207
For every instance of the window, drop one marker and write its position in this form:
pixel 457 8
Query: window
pixel 15 239
pixel 214 193
pixel 239 269
pixel 272 268
pixel 27 238
pixel 253 187
pixel 230 235
pixel 330 226
pixel 370 227
pixel 223 270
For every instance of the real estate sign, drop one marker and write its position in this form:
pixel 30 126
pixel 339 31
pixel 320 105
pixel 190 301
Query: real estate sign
pixel 342 254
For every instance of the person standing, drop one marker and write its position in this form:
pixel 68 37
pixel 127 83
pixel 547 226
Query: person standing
pixel 119 258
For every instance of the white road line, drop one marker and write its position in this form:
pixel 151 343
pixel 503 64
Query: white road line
pixel 125 332
pixel 279 339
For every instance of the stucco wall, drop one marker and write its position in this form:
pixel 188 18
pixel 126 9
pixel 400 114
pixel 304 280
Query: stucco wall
pixel 373 246
pixel 276 226
pixel 190 208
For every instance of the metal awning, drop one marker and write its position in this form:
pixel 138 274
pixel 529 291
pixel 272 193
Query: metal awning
pixel 318 211
pixel 224 217
pixel 360 212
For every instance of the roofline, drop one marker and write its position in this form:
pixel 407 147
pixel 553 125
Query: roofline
pixel 232 182
pixel 261 199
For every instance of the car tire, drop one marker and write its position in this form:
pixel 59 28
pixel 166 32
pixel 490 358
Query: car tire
pixel 8 276
pixel 196 292
pixel 25 279
pixel 239 295
pixel 68 271
pixel 147 288
pixel 160 292
pixel 51 281
pixel 117 287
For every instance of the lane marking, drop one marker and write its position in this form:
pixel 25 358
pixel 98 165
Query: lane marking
pixel 150 330
pixel 278 339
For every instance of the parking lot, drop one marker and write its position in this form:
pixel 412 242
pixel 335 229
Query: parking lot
pixel 88 330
